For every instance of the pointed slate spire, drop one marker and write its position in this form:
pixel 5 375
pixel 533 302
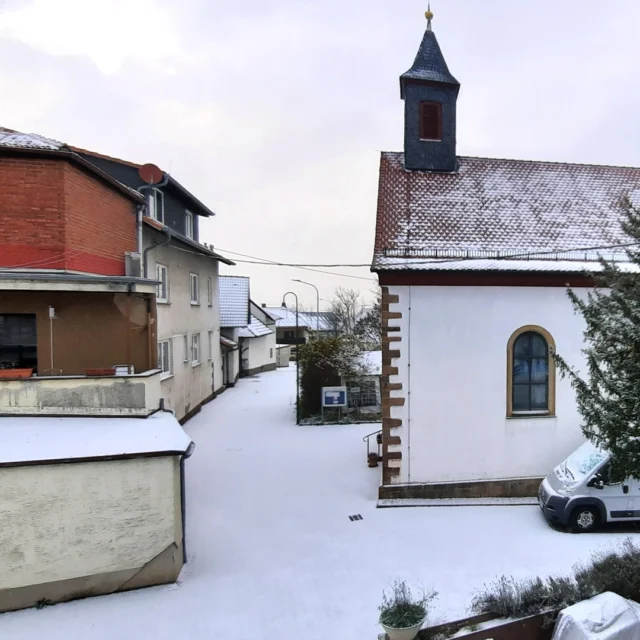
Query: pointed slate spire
pixel 429 65
pixel 430 94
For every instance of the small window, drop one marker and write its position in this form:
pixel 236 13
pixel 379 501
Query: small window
pixel 156 205
pixel 18 341
pixel 210 291
pixel 188 224
pixel 210 353
pixel 162 275
pixel 185 346
pixel 165 358
pixel 531 373
pixel 430 121
pixel 194 281
pixel 195 349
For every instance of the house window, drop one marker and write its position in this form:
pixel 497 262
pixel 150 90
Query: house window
pixel 430 121
pixel 289 334
pixel 165 358
pixel 195 349
pixel 194 281
pixel 162 275
pixel 185 346
pixel 156 205
pixel 210 291
pixel 530 373
pixel 18 341
pixel 210 346
pixel 188 224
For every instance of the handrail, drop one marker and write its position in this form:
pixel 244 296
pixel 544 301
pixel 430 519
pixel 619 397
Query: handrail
pixel 374 433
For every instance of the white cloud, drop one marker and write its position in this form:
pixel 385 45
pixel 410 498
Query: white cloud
pixel 109 32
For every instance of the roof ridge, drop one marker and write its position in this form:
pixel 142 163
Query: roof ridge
pixel 528 161
pixel 104 156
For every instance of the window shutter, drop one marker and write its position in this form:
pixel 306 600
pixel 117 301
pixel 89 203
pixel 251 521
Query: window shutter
pixel 430 121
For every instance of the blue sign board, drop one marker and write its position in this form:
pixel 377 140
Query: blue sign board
pixel 334 396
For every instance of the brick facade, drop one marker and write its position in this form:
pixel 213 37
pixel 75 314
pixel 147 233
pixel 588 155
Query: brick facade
pixel 57 216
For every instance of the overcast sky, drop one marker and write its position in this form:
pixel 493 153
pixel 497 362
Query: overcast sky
pixel 273 112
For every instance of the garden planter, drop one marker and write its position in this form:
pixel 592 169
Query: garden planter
pixel 408 633
pixel 373 460
pixel 108 371
pixel 12 374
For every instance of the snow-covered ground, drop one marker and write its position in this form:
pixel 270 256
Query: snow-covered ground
pixel 273 554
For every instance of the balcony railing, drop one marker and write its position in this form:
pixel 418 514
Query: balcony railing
pixel 135 395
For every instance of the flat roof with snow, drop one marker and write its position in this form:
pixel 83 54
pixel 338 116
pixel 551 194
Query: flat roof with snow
pixel 27 440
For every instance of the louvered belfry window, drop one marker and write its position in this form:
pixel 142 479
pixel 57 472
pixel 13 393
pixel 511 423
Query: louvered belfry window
pixel 430 121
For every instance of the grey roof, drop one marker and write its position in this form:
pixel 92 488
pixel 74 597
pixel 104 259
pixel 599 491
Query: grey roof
pixel 429 64
pixel 492 208
pixel 255 329
pixel 16 140
pixel 233 295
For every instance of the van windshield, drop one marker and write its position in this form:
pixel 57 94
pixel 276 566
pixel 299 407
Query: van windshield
pixel 583 461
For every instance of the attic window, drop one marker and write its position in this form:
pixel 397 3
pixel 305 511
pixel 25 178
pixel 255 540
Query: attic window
pixel 430 121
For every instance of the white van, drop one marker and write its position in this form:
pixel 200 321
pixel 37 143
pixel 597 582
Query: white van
pixel 578 492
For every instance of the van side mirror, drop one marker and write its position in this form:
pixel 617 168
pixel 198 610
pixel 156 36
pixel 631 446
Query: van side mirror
pixel 596 482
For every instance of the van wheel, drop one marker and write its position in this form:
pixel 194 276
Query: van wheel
pixel 584 519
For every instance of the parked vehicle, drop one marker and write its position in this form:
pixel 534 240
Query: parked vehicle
pixel 580 494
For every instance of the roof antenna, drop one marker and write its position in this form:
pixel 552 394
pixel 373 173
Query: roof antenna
pixel 429 16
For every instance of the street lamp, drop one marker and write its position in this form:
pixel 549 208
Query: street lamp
pixel 317 302
pixel 284 306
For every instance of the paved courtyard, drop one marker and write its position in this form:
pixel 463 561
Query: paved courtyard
pixel 273 554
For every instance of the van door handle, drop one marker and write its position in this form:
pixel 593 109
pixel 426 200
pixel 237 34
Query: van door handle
pixel 625 488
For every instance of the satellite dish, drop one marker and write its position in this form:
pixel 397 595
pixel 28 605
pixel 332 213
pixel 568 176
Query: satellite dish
pixel 151 174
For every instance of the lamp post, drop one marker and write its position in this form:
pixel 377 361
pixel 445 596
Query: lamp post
pixel 284 306
pixel 317 302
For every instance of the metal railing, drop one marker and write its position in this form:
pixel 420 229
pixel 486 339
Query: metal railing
pixel 378 452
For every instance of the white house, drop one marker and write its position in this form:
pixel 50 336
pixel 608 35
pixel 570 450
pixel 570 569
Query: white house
pixel 474 256
pixel 234 316
pixel 258 342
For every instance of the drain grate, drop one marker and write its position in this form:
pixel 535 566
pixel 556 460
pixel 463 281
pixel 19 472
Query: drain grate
pixel 356 517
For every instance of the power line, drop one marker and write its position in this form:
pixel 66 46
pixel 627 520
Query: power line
pixel 402 261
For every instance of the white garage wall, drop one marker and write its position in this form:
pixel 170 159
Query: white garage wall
pixel 454 421
pixel 72 520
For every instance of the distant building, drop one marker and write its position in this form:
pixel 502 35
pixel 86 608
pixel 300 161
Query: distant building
pixel 234 315
pixel 258 342
pixel 474 256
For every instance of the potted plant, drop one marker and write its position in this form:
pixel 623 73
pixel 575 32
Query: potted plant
pixel 401 614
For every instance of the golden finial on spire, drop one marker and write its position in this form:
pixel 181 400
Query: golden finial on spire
pixel 429 16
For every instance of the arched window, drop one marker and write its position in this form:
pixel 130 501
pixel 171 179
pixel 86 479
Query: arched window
pixel 531 373
pixel 430 121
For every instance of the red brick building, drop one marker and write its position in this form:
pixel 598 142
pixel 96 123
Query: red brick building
pixel 61 212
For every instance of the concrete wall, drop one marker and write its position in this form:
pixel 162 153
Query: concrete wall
pixel 72 530
pixel 91 330
pixel 190 384
pixel 453 420
pixel 137 395
pixel 258 354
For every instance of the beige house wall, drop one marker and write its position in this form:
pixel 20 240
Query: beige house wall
pixel 72 530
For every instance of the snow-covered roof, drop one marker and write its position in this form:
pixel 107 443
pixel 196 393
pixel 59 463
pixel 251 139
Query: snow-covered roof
pixel 226 342
pixel 549 266
pixel 15 139
pixel 309 319
pixel 372 362
pixel 492 207
pixel 233 295
pixel 26 439
pixel 255 329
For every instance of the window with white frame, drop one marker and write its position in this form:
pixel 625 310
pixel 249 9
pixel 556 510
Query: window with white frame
pixel 210 291
pixel 185 345
pixel 162 275
pixel 188 224
pixel 195 349
pixel 156 205
pixel 210 353
pixel 165 357
pixel 194 281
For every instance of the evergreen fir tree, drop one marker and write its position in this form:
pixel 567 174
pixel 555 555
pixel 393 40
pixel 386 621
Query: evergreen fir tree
pixel 608 398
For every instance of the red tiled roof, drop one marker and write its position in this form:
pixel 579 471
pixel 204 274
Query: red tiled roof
pixel 492 207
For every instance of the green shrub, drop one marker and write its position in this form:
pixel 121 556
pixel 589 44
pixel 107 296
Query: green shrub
pixel 400 609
